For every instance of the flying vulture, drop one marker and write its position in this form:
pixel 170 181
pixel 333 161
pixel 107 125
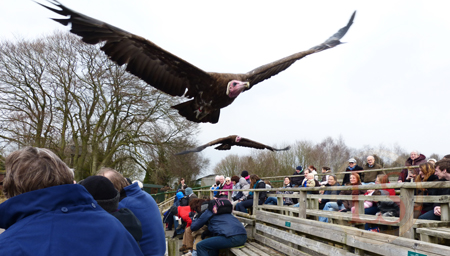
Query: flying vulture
pixel 208 91
pixel 233 140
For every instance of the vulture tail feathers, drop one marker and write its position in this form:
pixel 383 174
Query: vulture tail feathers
pixel 188 110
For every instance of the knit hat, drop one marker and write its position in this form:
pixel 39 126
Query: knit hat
pixel 180 195
pixel 244 174
pixel 299 168
pixel 188 191
pixel 103 191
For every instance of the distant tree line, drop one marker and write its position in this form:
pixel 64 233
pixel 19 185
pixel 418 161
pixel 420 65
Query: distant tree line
pixel 333 153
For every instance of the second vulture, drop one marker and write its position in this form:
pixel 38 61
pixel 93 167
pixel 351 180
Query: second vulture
pixel 233 140
pixel 208 91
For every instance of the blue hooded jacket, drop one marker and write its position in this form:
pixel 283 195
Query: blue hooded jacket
pixel 61 220
pixel 153 241
pixel 220 225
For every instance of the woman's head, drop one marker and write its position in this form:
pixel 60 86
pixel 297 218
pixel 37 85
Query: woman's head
pixel 235 179
pixel 325 169
pixel 355 179
pixel 253 179
pixel 382 179
pixel 312 168
pixel 426 170
pixel 332 180
pixel 287 180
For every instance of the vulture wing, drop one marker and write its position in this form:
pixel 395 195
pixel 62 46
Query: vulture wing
pixel 146 60
pixel 223 141
pixel 244 142
pixel 266 71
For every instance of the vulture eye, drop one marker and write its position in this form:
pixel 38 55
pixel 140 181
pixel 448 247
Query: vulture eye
pixel 234 84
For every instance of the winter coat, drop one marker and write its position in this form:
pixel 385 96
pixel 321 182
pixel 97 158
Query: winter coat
pixel 183 213
pixel 347 176
pixel 427 206
pixel 370 176
pixel 219 224
pixel 229 186
pixel 330 192
pixel 297 181
pixel 286 200
pixel 262 195
pixel 130 222
pixel 62 220
pixel 242 195
pixel 348 204
pixel 143 205
pixel 409 162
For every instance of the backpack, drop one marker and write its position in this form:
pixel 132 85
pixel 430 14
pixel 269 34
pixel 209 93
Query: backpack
pixel 184 201
pixel 220 206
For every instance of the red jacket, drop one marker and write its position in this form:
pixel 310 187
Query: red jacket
pixel 183 213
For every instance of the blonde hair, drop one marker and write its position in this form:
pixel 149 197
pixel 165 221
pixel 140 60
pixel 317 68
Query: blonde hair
pixel 116 177
pixel 34 168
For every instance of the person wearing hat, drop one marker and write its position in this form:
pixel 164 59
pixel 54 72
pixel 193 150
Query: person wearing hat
pixel 297 181
pixel 352 166
pixel 103 191
pixel 246 176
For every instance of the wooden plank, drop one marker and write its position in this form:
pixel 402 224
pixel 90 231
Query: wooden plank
pixel 302 205
pixel 249 252
pixel 256 250
pixel 311 244
pixel 279 246
pixel 264 249
pixel 340 233
pixel 247 221
pixel 436 232
pixel 237 252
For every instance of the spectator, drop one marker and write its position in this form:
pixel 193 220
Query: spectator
pixel 286 200
pixel 103 191
pixel 332 181
pixel 44 206
pixel 146 210
pixel 415 159
pixel 241 195
pixel 256 183
pixel 344 205
pixel 370 177
pixel 246 176
pixel 216 184
pixel 426 173
pixel 432 161
pixel 352 167
pixel 313 170
pixel 190 194
pixel 235 182
pixel 325 171
pixel 297 181
pixel 182 183
pixel 442 172
pixel 304 178
pixel 228 232
pixel 227 185
pixel 311 182
pixel 370 207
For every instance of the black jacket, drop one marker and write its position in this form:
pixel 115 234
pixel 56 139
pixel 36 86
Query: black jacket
pixel 347 176
pixel 297 181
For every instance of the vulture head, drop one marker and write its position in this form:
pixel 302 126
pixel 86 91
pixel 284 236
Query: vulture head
pixel 235 87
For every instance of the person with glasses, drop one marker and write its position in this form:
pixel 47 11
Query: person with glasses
pixel 352 167
pixel 228 185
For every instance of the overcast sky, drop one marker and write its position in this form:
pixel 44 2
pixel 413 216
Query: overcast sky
pixel 389 84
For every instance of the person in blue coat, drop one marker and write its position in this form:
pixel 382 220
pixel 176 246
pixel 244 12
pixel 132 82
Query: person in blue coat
pixel 46 214
pixel 226 229
pixel 153 241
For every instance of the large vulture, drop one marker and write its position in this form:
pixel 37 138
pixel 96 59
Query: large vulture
pixel 233 140
pixel 208 91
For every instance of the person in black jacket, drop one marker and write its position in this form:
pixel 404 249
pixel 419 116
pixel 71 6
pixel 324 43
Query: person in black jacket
pixel 352 166
pixel 297 181
pixel 443 173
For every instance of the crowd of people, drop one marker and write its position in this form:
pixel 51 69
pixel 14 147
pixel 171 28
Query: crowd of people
pixel 107 214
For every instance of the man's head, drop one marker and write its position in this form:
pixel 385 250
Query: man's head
pixel 352 162
pixel 370 160
pixel 221 179
pixel 115 177
pixel 414 154
pixel 443 169
pixel 33 168
pixel 298 169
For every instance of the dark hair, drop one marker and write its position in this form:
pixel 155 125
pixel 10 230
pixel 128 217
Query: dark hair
pixel 326 168
pixel 235 179
pixel 443 164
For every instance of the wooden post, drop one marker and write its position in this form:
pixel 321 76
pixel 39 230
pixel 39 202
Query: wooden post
pixel 255 202
pixel 302 205
pixel 445 213
pixel 406 213
pixel 211 194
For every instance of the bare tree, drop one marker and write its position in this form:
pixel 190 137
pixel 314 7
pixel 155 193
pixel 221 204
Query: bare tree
pixel 60 93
